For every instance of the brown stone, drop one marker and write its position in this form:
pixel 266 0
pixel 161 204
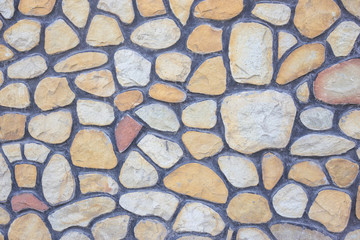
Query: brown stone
pixel 150 8
pixel 218 10
pixel 28 226
pixel 202 145
pixel 81 61
pixel 99 83
pixel 12 126
pixel 205 39
pixel 25 175
pixel 36 7
pixel 167 93
pixel 342 171
pixel 272 170
pixel 5 53
pixel 308 173
pixel 27 201
pixel 126 131
pixel 128 100
pixel 15 95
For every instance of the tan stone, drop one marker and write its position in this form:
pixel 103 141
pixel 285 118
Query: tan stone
pixel 272 170
pixel 104 31
pixel 342 171
pixel 1 24
pixel 332 209
pixel 349 123
pixel 300 62
pixel 205 39
pixel 313 17
pixel 1 76
pixel 96 113
pixel 303 92
pixel 200 114
pixel 149 229
pixel 285 42
pixel 97 182
pixel 25 175
pixel 12 151
pixel 201 144
pixel 194 237
pixel 28 226
pixel 27 68
pixel 81 61
pixel 274 13
pixel 15 95
pixel 352 6
pixel 53 92
pixel 285 231
pixel 12 126
pixel 150 8
pixel 111 228
pixel 229 234
pixel 4 216
pixel 122 8
pixel 5 53
pixel 343 38
pixel 36 152
pixel 181 9
pixel 173 66
pixel 249 208
pixel 36 7
pixel 128 100
pixel 308 173
pixel 209 78
pixel 251 233
pixel 76 11
pixel 99 83
pixel 197 181
pixel 218 10
pixel 167 93
pixel 92 148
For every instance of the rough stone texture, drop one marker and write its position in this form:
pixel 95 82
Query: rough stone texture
pixel 308 173
pixel 97 182
pixel 167 93
pixel 128 100
pixel 202 144
pixel 7 8
pixel 122 8
pixel 205 39
pixel 287 231
pixel 12 152
pixel 99 83
pixel 349 123
pixel 36 152
pixel 181 9
pixel 27 201
pixel 12 126
pixel 342 171
pixel 173 66
pixel 285 42
pixel 5 180
pixel 5 53
pixel 96 113
pixel 81 61
pixel 149 229
pixel 76 11
pixel 303 92
pixel 27 68
pixel 111 228
pixel 200 114
pixel 150 8
pixel 15 95
pixel 251 233
pixel 126 131
pixel 274 13
pixel 272 170
pixel 36 7
pixel 25 175
pixel 29 225
pixel 218 10
pixel 343 38
pixel 317 118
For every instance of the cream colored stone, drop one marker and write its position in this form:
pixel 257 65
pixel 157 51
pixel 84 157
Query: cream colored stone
pixel 251 233
pixel 194 237
pixel 97 182
pixel 128 100
pixel 303 92
pixel 73 234
pixel 27 68
pixel 23 35
pixel 349 123
pixel 173 66
pixel 343 38
pixel 104 31
pixel 352 6
pixel 274 13
pixel 36 7
pixel 12 126
pixel 205 39
pixel 1 75
pixel 76 11
pixel 12 151
pixel 36 152
pixel 81 61
pixel 357 204
pixel 285 42
pixel 272 170
pixel 317 118
pixel 149 229
pixel 111 228
pixel 15 95
pixel 181 9
pixel 96 113
pixel 229 234
pixel 25 175
pixel 122 8
pixel 5 180
pixel 150 8
pixel 353 235
pixel 4 216
pixel 201 144
pixel 5 53
pixel 218 10
pixel 167 93
pixel 200 114
pixel 342 171
pixel 28 226
pixel 7 9
pixel 308 173
pixel 285 231
pixel 99 83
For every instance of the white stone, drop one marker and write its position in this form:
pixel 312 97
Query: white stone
pixel 26 68
pixel 7 8
pixel 76 11
pixel 71 235
pixel 36 152
pixel 285 42
pixel 92 112
pixel 111 228
pixel 317 118
pixel 5 180
pixel 122 8
pixel 173 66
pixel 251 233
pixel 23 35
pixel 12 151
pixel 200 114
pixel 353 235
pixel 274 13
pixel 343 38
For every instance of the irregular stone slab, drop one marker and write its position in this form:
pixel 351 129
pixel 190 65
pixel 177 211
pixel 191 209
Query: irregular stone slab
pixel 5 180
pixel 76 11
pixel 197 217
pixel 122 8
pixel 29 225
pixel 181 9
pixel 81 61
pixel 352 7
pixel 342 171
pixel 59 37
pixel 73 234
pixel 300 62
pixel 104 31
pixel 332 209
pixel 349 123
pixel 150 203
pixel 156 34
pixel 317 118
pixel 111 228
pixel 209 78
pixel 4 216
pixel 285 42
pixel 80 213
pixel 251 233
pixel 128 100
pixel 308 173
pixel 12 126
pixel 27 68
pixel 132 69
pixel 218 10
pixel 36 8
pixel 205 39
pixel 97 182
pixel 256 120
pixel 24 35
pixel 99 83
pixel 126 131
pixel 197 181
pixel 313 17
pixel 92 148
pixel 249 208
pixel 272 170
pixel 250 53
pixel 202 145
pixel 285 231
pixel 7 8
pixel 149 229
pixel 136 172
pixel 36 152
pixel 159 117
pixel 27 201
pixel 343 38
pixel 15 95
pixel 53 92
pixel 163 152
pixel 25 175
pixel 150 8
pixel 239 171
pixel 173 66
pixel 5 53
pixel 54 127
pixel 96 113
pixel 354 235
pixel 274 13
pixel 321 145
pixel 200 114
pixel 12 152
pixel 167 93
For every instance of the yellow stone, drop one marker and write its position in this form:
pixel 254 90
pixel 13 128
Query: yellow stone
pixel 36 7
pixel 28 226
pixel 128 100
pixel 149 229
pixel 201 144
pixel 4 216
pixel 205 39
pixel 342 171
pixel 150 8
pixel 181 9
pixel 81 61
pixel 303 92
pixel 76 11
pixel 349 123
pixel 197 181
pixel 272 170
pixel 99 83
pixel 12 126
pixel 218 10
pixel 308 173
pixel 97 182
pixel 5 53
pixel 15 95
pixel 167 93
pixel 25 175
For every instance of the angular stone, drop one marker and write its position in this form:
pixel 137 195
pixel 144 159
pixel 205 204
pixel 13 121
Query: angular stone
pixel 198 217
pixel 97 182
pixel 352 7
pixel 5 53
pixel 80 213
pixel 209 78
pixel 53 92
pixel 343 38
pixel 96 113
pixel 173 66
pixel 81 61
pixel 76 11
pixel 99 83
pixel 300 62
pixel 7 8
pixel 55 191
pixel 239 171
pixel 29 225
pixel 36 152
pixel 200 114
pixel 156 34
pixel 313 17
pixel 163 152
pixel 4 216
pixel 36 7
pixel 12 152
pixel 150 203
pixel 257 120
pixel 122 8
pixel 5 180
pixel 272 170
pixel 111 228
pixel 202 145
pixel 54 127
pixel 250 53
pixel 353 235
pixel 249 208
pixel 332 209
pixel 23 35
pixel 159 117
pixel 132 69
pixel 73 234
pixel 317 118
pixel 251 233
pixel 167 93
pixel 218 10
pixel 197 181
pixel 205 39
pixel 136 172
pixel 92 148
pixel 285 231
pixel 15 95
pixel 150 8
pixel 308 173
pixel 25 175
pixel 349 123
pixel 303 92
pixel 126 131
pixel 149 229
pixel 27 68
pixel 274 13
pixel 285 42
pixel 321 145
pixel 181 9
pixel 12 126
pixel 128 100
pixel 342 171
pixel 104 31
pixel 59 37
pixel 27 201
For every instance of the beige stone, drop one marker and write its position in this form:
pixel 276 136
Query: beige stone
pixel 342 171
pixel 173 66
pixel 96 113
pixel 343 38
pixel 313 17
pixel 122 8
pixel 202 144
pixel 205 39
pixel 332 209
pixel 317 118
pixel 36 152
pixel 308 173
pixel 99 83
pixel 218 10
pixel 353 235
pixel 12 126
pixel 25 175
pixel 181 9
pixel 274 13
pixel 285 42
pixel 352 6
pixel 4 216
pixel 272 170
pixel 36 7
pixel 357 206
pixel 12 151
pixel 285 231
pixel 197 181
pixel 53 92
pixel 150 8
pixel 73 234
pixel 76 11
pixel 5 53
pixel 149 229
pixel 23 35
pixel 251 233
pixel 349 123
pixel 1 77
pixel 53 128
pixel 97 182
pixel 7 9
pixel 167 93
pixel 5 179
pixel 300 62
pixel 303 92
pixel 111 228
pixel 81 61
pixel 128 100
pixel 209 78
pixel 200 114
pixel 27 68
pixel 28 226
pixel 194 237
pixel 15 95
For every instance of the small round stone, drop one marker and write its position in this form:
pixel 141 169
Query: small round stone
pixel 167 93
pixel 317 118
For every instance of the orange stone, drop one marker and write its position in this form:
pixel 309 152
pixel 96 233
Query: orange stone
pixel 25 175
pixel 218 9
pixel 308 173
pixel 36 7
pixel 126 131
pixel 205 39
pixel 272 170
pixel 128 100
pixel 12 126
pixel 167 93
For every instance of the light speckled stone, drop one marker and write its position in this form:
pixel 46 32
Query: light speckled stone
pixel 308 173
pixel 251 233
pixel 353 235
pixel 5 53
pixel 200 114
pixel 71 235
pixel 76 11
pixel 202 144
pixel 317 118
pixel 4 216
pixel 352 6
pixel 12 151
pixel 5 180
pixel 272 170
pixel 7 8
pixel 343 38
pixel 25 175
pixel 28 225
pixel 36 152
pixel 128 100
pixel 285 42
pixel 122 8
pixel 218 10
pixel 349 123
pixel 173 66
pixel 167 93
pixel 205 39
pixel 99 83
pixel 274 13
pixel 15 95
pixel 342 171
pixel 36 7
pixel 27 68
pixel 96 113
pixel 150 8
pixel 97 182
pixel 81 61
pixel 111 228
pixel 303 92
pixel 149 229
pixel 181 9
pixel 287 231
pixel 12 126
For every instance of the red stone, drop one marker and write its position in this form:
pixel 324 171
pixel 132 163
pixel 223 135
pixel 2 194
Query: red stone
pixel 126 131
pixel 27 201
